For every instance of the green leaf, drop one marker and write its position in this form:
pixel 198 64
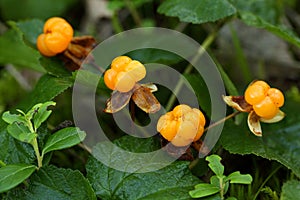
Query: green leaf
pixel 280 141
pixel 214 180
pixel 31 29
pixel 290 190
pixel 237 177
pixel 55 67
pixel 171 182
pixel 11 118
pixel 42 114
pixel 201 91
pixel 215 164
pixel 14 51
pixel 203 190
pixel 197 11
pixel 230 87
pixel 64 138
pixel 268 10
pixel 51 183
pixel 282 32
pixel 46 89
pixel 13 175
pixel 115 5
pixel 150 55
pixel 15 9
pixel 231 198
pixel 14 151
pixel 21 132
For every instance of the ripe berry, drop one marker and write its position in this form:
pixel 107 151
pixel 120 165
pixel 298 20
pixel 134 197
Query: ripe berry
pixel 57 35
pixel 265 100
pixel 182 126
pixel 256 92
pixel 124 73
pixel 276 96
pixel 266 108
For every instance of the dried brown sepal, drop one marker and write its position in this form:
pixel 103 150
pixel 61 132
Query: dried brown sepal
pixel 77 51
pixel 254 124
pixel 151 86
pixel 238 103
pixel 278 117
pixel 145 100
pixel 117 101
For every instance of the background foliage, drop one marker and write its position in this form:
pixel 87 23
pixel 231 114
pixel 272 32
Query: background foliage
pixel 27 78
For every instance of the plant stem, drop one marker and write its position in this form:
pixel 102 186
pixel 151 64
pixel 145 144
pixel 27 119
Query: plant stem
pixel 133 12
pixel 221 188
pixel 222 120
pixel 266 180
pixel 116 23
pixel 206 43
pixel 240 56
pixel 35 146
pixel 2 163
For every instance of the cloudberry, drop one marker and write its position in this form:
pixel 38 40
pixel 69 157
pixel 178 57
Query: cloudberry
pixel 265 100
pixel 57 35
pixel 124 73
pixel 182 126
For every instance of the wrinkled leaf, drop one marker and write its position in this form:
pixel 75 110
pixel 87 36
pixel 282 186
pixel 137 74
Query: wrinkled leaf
pixel 64 138
pixel 51 183
pixel 13 175
pixel 203 190
pixel 215 164
pixel 237 177
pixel 290 190
pixel 171 182
pixel 12 150
pixel 197 11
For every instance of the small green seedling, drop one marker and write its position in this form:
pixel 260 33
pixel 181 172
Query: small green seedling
pixel 219 183
pixel 24 127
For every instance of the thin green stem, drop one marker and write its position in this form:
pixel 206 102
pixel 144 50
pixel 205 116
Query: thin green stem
pixel 116 23
pixel 134 13
pixel 2 163
pixel 181 26
pixel 240 56
pixel 206 43
pixel 266 180
pixel 221 188
pixel 222 120
pixel 35 146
